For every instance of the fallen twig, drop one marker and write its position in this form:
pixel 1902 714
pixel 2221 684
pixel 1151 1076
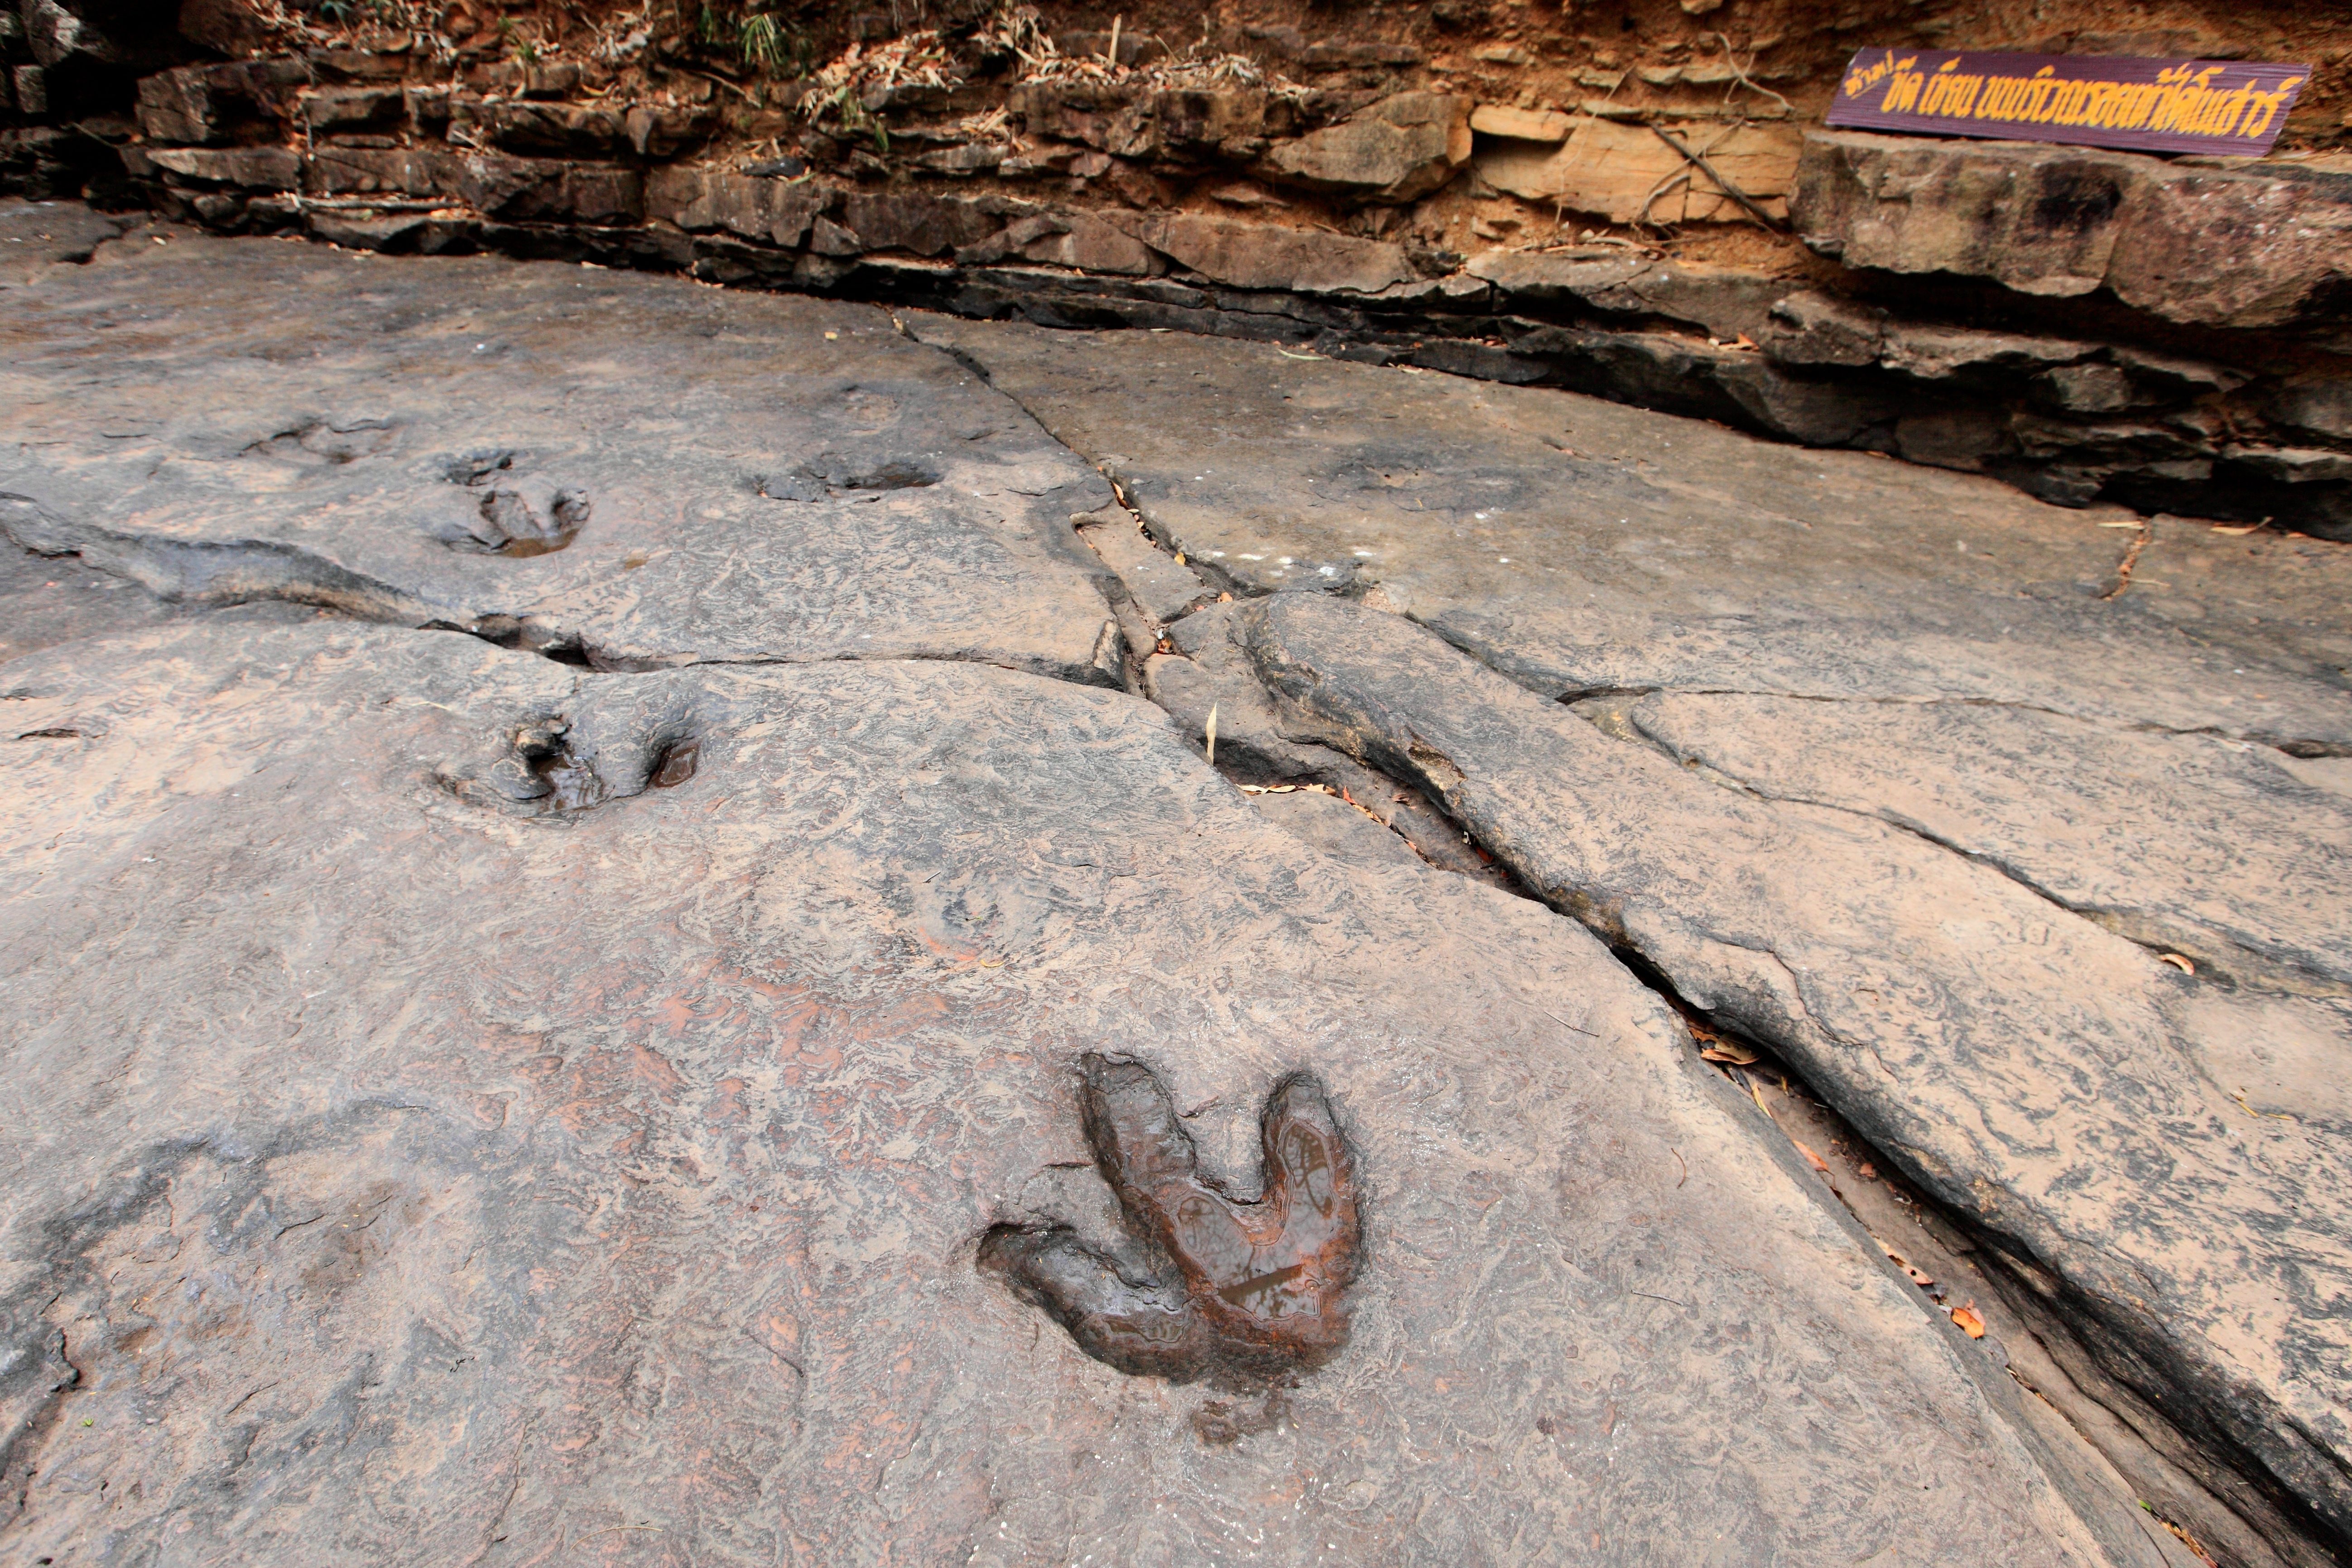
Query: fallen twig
pixel 1731 59
pixel 1680 176
pixel 1728 189
pixel 2131 559
pixel 362 204
pixel 1522 1002
pixel 719 81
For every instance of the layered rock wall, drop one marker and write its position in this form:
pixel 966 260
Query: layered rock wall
pixel 2087 324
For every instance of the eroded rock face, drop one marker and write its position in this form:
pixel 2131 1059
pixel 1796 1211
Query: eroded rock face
pixel 1723 301
pixel 437 443
pixel 1545 126
pixel 533 177
pixel 1629 174
pixel 1258 256
pixel 246 168
pixel 2213 246
pixel 1398 150
pixel 777 211
pixel 430 1170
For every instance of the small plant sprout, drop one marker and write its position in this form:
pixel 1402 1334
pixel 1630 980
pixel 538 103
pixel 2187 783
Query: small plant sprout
pixel 763 44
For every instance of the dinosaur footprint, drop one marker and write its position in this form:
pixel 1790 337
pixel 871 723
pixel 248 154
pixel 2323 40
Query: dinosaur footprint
pixel 1213 1287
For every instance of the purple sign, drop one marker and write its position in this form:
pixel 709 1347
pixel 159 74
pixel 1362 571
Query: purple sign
pixel 2101 100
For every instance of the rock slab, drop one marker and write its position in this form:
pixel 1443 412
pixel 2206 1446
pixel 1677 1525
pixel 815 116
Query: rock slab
pixel 450 1122
pixel 627 467
pixel 2205 245
pixel 2014 829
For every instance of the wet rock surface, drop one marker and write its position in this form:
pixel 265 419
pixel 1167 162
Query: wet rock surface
pixel 441 443
pixel 620 1174
pixel 2020 835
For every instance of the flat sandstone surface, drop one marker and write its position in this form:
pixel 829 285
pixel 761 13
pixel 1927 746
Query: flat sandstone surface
pixel 2022 832
pixel 639 471
pixel 408 1168
pixel 780 1046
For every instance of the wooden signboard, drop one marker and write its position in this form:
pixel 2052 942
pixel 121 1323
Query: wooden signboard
pixel 2100 101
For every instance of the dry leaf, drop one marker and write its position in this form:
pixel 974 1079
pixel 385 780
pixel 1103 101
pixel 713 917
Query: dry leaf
pixel 1713 1047
pixel 2240 1096
pixel 1918 1276
pixel 2187 1540
pixel 1970 1323
pixel 1815 1160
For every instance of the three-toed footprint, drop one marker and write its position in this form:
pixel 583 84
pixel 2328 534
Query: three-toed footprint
pixel 1237 1292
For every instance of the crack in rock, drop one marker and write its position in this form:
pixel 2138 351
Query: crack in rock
pixel 1917 990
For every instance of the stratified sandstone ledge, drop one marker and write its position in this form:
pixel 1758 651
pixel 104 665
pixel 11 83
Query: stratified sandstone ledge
pixel 2203 242
pixel 2106 325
